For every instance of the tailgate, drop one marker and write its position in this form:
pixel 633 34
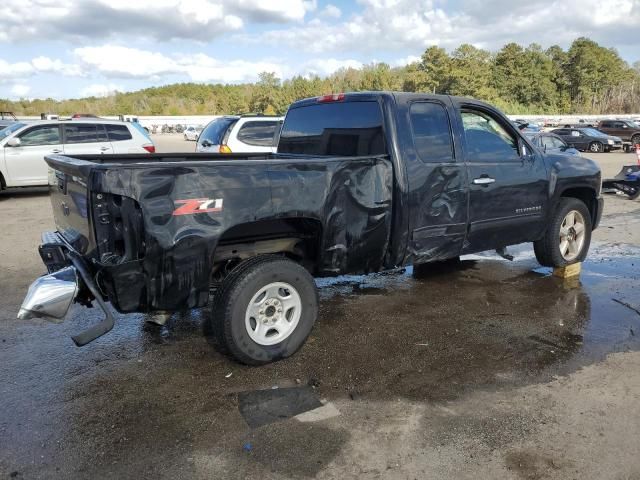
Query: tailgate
pixel 68 192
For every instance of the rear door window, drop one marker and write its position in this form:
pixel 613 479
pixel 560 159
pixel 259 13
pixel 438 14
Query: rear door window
pixel 118 133
pixel 84 133
pixel 42 135
pixel 339 129
pixel 431 132
pixel 258 133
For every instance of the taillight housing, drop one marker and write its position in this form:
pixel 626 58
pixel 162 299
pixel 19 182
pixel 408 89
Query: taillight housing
pixel 334 97
pixel 224 149
pixel 149 147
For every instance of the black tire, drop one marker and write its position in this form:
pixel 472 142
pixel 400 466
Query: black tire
pixel 634 196
pixel 547 249
pixel 596 147
pixel 635 140
pixel 231 303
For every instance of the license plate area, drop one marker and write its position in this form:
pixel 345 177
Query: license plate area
pixel 53 252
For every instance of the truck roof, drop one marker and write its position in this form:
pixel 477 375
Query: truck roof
pixel 374 95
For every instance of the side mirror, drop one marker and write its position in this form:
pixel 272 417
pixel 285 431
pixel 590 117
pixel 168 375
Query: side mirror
pixel 13 142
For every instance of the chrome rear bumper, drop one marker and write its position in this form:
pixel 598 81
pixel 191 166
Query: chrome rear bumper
pixel 50 296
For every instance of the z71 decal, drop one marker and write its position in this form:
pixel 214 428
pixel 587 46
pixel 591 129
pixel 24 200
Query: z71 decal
pixel 198 205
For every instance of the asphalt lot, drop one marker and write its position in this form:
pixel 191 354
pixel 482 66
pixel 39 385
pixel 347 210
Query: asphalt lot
pixel 492 369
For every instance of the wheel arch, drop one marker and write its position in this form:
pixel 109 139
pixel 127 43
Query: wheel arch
pixel 587 195
pixel 298 238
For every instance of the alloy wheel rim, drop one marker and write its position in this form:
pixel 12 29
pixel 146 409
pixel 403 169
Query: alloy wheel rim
pixel 273 313
pixel 572 235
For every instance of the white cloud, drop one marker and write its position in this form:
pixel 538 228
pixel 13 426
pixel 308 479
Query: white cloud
pixel 100 90
pixel 415 24
pixel 161 20
pixel 274 11
pixel 114 61
pixel 202 68
pixel 20 90
pixel 326 66
pixel 125 62
pixel 48 65
pixel 331 11
pixel 12 71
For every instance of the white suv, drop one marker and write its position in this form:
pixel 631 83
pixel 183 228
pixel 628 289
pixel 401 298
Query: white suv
pixel 240 134
pixel 23 146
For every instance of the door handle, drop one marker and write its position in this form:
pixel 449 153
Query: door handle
pixel 104 149
pixel 56 150
pixel 483 181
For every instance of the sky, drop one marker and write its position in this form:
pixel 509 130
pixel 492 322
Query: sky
pixel 77 48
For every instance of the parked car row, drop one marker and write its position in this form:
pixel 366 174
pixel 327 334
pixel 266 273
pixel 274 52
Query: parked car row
pixel 24 145
pixel 589 139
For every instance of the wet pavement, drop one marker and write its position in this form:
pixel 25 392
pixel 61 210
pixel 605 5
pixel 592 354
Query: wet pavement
pixel 142 399
pixel 487 369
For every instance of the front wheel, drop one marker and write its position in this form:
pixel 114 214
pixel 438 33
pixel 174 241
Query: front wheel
pixel 265 310
pixel 596 147
pixel 568 237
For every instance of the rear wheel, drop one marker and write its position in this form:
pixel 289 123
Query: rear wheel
pixel 635 140
pixel 596 147
pixel 568 237
pixel 265 310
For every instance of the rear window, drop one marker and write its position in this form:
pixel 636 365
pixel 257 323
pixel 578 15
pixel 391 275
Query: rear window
pixel 118 133
pixel 84 133
pixel 341 128
pixel 214 132
pixel 260 134
pixel 431 132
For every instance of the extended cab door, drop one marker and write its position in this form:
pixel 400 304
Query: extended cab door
pixel 437 181
pixel 508 184
pixel 25 162
pixel 86 139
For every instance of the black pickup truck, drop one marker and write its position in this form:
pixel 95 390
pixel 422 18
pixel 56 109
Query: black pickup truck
pixel 362 182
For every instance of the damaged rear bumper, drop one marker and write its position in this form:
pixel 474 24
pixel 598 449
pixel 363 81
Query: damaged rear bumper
pixel 51 296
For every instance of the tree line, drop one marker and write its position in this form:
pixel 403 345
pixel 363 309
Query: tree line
pixel 586 78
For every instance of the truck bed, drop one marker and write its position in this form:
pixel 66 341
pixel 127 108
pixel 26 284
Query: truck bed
pixel 160 224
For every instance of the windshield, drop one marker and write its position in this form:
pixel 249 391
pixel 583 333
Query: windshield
pixel 594 133
pixel 214 132
pixel 341 128
pixel 5 132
